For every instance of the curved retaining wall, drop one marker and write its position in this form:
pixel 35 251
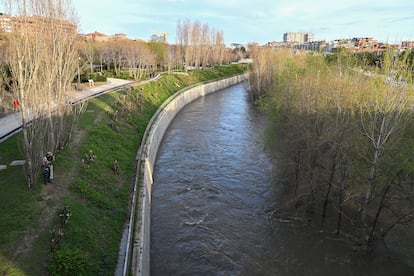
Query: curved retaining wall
pixel 146 157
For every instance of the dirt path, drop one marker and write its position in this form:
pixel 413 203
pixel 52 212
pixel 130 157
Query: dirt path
pixel 54 193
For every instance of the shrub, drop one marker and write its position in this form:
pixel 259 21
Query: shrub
pixel 96 77
pixel 69 261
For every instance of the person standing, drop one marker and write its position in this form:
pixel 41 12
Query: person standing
pixel 46 170
pixel 50 158
pixel 16 105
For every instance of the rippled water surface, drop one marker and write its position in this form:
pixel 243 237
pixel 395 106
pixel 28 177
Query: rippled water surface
pixel 212 187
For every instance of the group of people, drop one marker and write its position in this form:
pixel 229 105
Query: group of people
pixel 47 166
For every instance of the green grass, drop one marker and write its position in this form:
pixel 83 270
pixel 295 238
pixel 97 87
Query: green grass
pixel 98 199
pixel 9 151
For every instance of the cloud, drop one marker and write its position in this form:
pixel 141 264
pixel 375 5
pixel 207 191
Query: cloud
pixel 287 10
pixel 252 20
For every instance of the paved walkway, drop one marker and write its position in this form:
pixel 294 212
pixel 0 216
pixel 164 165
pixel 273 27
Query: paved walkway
pixel 11 123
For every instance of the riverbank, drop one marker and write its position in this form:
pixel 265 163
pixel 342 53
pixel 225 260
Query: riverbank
pixel 97 196
pixel 147 157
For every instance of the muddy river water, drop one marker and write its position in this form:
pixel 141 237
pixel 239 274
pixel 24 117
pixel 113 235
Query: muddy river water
pixel 211 196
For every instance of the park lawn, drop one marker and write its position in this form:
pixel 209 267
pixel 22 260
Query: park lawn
pixel 111 129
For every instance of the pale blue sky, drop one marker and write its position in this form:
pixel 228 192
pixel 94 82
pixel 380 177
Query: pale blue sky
pixel 244 21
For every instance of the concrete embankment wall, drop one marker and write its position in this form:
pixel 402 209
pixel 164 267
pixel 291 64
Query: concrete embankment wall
pixel 146 157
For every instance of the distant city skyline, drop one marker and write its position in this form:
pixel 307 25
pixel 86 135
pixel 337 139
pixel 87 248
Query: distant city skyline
pixel 244 21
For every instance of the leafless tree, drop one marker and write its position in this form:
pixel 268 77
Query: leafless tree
pixel 42 56
pixel 262 73
pixel 186 33
pixel 173 58
pixel 138 58
pixel 116 54
pixel 88 50
pixel 205 45
pixel 219 49
pixel 198 45
pixel 383 112
pixel 102 52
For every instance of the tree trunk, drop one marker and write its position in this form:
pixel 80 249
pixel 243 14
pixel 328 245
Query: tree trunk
pixel 27 150
pixel 341 195
pixel 374 224
pixel 369 183
pixel 330 182
pixel 297 172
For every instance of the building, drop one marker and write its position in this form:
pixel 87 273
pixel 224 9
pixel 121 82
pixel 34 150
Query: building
pixel 119 36
pixel 33 24
pixel 298 37
pixel 407 44
pixel 96 36
pixel 5 23
pixel 314 46
pixel 100 37
pixel 332 46
pixel 357 45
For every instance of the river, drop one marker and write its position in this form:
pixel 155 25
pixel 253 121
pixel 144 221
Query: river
pixel 211 198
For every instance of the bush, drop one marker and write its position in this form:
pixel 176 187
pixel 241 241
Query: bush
pixel 125 75
pixel 69 261
pixel 96 77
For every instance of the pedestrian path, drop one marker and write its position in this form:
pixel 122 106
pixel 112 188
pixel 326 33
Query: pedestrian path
pixel 13 163
pixel 11 123
pixel 110 85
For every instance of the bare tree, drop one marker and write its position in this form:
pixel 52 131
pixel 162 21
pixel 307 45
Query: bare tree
pixel 186 33
pixel 180 43
pixel 262 73
pixel 200 46
pixel 382 112
pixel 88 51
pixel 196 43
pixel 5 96
pixel 42 56
pixel 138 58
pixel 115 53
pixel 219 48
pixel 205 45
pixel 105 54
pixel 173 58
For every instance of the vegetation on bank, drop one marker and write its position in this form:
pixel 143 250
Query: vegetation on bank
pixel 85 209
pixel 343 139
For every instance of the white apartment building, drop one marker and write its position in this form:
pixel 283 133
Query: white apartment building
pixel 298 37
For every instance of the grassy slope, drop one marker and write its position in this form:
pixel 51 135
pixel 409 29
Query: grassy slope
pixel 98 199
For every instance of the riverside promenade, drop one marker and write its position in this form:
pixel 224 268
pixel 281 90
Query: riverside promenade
pixel 11 123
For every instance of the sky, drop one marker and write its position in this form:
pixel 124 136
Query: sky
pixel 245 21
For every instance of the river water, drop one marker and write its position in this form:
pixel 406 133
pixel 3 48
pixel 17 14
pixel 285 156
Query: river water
pixel 211 196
